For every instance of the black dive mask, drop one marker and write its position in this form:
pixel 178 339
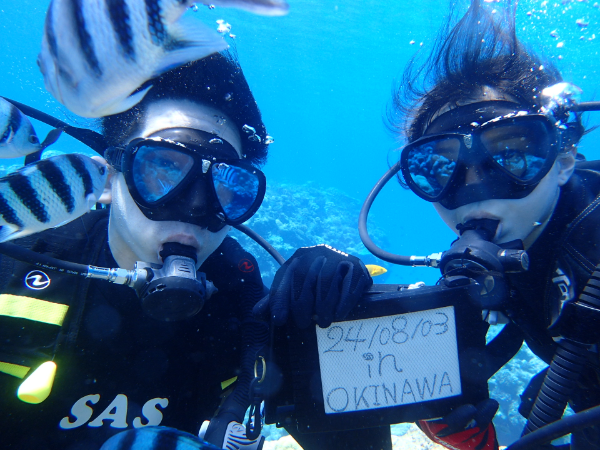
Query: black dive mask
pixel 188 175
pixel 486 150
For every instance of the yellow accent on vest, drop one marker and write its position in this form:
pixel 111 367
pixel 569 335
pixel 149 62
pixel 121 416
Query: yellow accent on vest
pixel 225 384
pixel 14 369
pixel 32 309
pixel 37 387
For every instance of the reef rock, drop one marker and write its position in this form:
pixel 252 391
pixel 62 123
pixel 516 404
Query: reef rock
pixel 294 216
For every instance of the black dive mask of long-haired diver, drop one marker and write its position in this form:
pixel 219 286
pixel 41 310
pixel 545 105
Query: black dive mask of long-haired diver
pixel 189 175
pixel 481 151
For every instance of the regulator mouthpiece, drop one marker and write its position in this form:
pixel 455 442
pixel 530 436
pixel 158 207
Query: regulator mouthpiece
pixel 475 256
pixel 175 248
pixel 486 228
pixel 174 291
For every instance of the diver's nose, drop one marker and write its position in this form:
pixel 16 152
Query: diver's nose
pixel 195 199
pixel 473 175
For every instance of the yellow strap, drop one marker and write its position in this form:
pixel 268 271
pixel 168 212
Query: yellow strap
pixel 225 384
pixel 14 369
pixel 32 309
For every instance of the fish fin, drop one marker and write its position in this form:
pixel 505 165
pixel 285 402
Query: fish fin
pixel 8 232
pixel 191 40
pixel 117 106
pixel 33 157
pixel 91 200
pixel 64 222
pixel 52 137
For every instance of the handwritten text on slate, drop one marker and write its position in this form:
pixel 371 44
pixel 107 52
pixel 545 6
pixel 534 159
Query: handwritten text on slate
pixel 389 361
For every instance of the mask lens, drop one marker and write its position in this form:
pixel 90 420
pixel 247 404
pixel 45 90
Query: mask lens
pixel 519 148
pixel 156 171
pixel 431 164
pixel 236 189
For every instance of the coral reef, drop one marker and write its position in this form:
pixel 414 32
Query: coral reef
pixel 294 216
pixel 506 386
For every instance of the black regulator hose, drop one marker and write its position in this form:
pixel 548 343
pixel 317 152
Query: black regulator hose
pixel 364 234
pixel 586 106
pixel 560 382
pixel 261 241
pixel 577 323
pixel 548 433
pixel 43 261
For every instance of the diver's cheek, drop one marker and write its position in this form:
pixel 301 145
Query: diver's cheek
pixel 132 237
pixel 209 242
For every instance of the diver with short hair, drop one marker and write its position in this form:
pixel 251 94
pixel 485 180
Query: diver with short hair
pixel 184 170
pixel 491 134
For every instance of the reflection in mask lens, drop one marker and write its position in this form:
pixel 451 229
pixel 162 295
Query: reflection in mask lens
pixel 236 189
pixel 432 163
pixel 156 171
pixel 520 149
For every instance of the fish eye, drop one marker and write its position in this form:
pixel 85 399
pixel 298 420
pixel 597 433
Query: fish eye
pixel 34 139
pixel 102 170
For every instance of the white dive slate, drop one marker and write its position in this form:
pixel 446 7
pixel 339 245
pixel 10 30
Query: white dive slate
pixel 389 361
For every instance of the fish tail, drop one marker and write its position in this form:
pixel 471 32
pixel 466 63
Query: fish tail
pixel 189 40
pixel 51 137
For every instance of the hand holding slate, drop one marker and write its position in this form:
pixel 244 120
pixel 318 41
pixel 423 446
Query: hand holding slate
pixel 316 285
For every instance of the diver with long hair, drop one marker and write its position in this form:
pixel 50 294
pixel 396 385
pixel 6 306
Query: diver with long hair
pixel 490 134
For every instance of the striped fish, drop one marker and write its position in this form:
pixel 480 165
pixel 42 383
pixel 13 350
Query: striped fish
pixel 98 55
pixel 17 136
pixel 156 438
pixel 49 193
pixel 226 174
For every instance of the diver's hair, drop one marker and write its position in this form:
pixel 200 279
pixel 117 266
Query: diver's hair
pixel 217 81
pixel 481 49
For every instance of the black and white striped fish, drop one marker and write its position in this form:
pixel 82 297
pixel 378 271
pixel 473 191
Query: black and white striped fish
pixel 49 193
pixel 156 438
pixel 17 136
pixel 96 54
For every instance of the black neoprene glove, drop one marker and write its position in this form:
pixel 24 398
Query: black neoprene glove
pixel 316 285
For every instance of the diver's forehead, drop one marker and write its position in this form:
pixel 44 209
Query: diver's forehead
pixel 460 114
pixel 164 114
pixel 467 117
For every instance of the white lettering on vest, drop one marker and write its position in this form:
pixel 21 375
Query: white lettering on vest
pixel 118 417
pixel 151 413
pixel 81 411
pixel 116 413
pixel 563 283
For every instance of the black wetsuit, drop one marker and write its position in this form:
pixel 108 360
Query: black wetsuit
pixel 562 261
pixel 118 368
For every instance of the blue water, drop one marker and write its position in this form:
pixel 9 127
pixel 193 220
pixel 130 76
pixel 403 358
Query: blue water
pixel 323 77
